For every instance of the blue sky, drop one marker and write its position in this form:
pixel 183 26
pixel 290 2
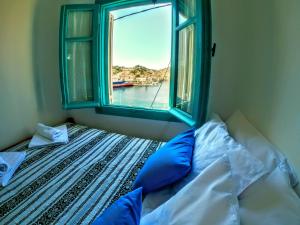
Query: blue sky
pixel 142 39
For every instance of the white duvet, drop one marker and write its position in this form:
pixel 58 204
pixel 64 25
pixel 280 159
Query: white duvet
pixel 203 196
pixel 208 199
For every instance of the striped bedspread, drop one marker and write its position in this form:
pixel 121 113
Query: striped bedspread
pixel 73 183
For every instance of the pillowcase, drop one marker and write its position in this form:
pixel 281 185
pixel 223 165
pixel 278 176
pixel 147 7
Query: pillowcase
pixel 125 211
pixel 14 160
pixel 205 136
pixel 168 164
pixel 208 199
pixel 210 141
pixel 270 200
pixel 259 146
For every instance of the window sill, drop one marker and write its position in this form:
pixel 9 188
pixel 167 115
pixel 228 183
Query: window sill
pixel 143 113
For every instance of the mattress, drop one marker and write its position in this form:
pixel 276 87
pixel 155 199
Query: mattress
pixel 76 182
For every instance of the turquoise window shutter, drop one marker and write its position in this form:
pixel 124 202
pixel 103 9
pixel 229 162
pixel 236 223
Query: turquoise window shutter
pixel 79 53
pixel 190 61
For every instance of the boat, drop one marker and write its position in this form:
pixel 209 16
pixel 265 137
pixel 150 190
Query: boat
pixel 120 84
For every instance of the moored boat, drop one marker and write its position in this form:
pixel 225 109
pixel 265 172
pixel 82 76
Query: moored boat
pixel 119 84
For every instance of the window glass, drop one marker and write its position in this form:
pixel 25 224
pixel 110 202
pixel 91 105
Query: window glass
pixel 185 69
pixel 140 54
pixel 79 24
pixel 79 71
pixel 186 10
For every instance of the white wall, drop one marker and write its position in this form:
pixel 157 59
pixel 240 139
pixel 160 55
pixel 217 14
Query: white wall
pixel 45 57
pixel 228 33
pixel 29 81
pixel 153 129
pixel 256 68
pixel 270 86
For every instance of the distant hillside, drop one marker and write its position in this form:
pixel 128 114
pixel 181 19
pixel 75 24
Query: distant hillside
pixel 140 75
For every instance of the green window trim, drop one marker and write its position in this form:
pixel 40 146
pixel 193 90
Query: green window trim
pixel 64 40
pixel 202 53
pixel 105 7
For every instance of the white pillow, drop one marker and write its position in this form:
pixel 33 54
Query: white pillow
pixel 14 160
pixel 212 141
pixel 247 135
pixel 207 135
pixel 208 199
pixel 210 134
pixel 270 201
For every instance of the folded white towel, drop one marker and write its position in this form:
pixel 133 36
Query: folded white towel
pixel 48 132
pixel 3 166
pixel 38 140
pixel 13 160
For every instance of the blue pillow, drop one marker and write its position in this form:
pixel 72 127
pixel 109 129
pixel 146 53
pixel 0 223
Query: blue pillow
pixel 125 211
pixel 168 164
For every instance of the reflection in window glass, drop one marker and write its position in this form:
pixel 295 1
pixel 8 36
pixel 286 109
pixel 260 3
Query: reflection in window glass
pixel 186 10
pixel 185 69
pixel 79 71
pixel 79 24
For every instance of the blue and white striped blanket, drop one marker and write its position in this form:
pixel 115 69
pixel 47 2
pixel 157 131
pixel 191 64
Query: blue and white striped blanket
pixel 73 183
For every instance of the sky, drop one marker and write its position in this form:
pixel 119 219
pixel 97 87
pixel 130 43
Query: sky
pixel 142 39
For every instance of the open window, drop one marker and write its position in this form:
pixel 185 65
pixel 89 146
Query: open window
pixel 114 60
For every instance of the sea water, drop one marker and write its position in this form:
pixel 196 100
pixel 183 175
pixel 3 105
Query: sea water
pixel 143 96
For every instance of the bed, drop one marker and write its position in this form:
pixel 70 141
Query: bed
pixel 76 182
pixel 73 183
pixel 261 186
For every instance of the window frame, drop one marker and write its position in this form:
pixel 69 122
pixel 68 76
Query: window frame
pixel 202 53
pixel 94 55
pixel 183 116
pixel 106 107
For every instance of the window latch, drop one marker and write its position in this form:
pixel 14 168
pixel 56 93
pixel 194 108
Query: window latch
pixel 213 50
